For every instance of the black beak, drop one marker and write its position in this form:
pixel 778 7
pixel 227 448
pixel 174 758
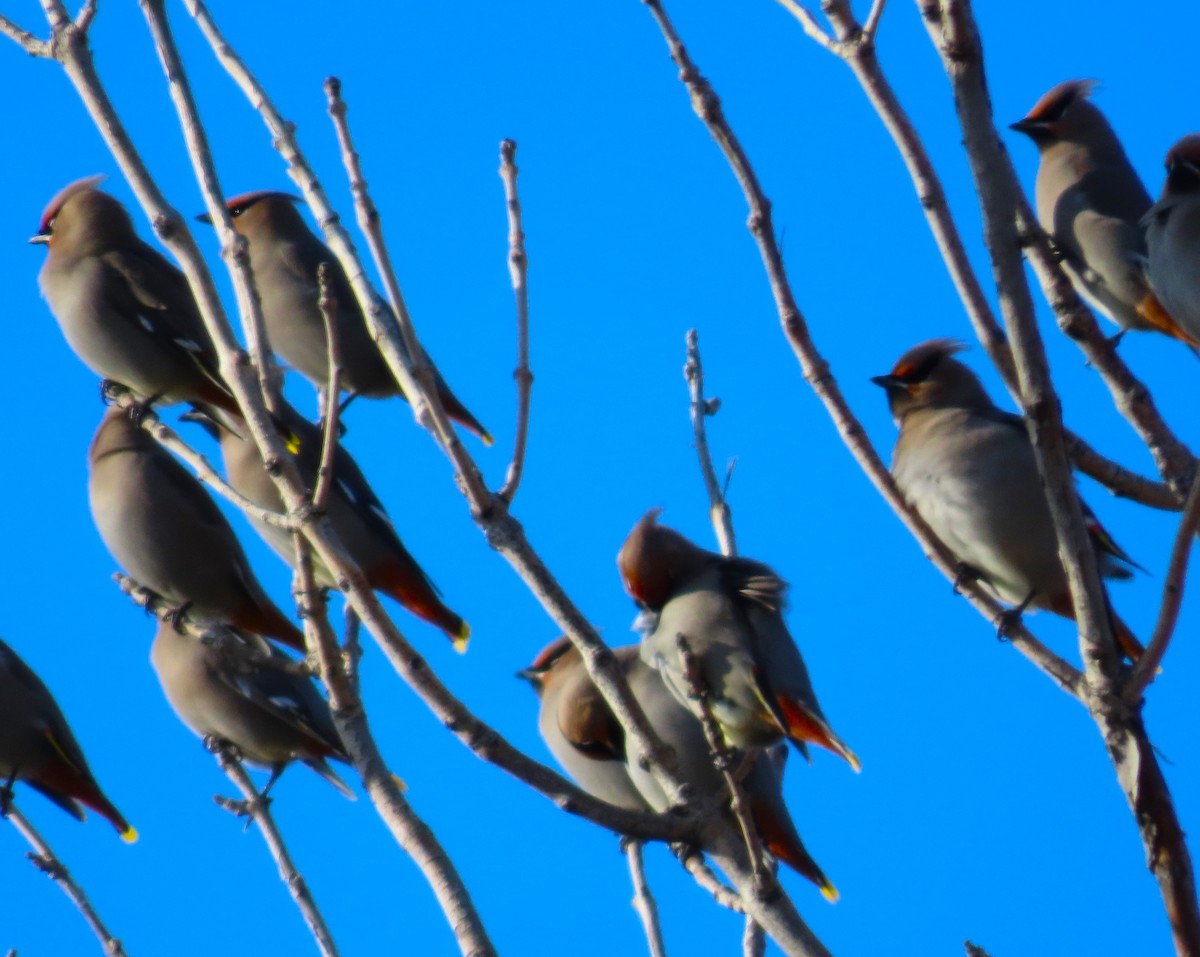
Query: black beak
pixel 1026 126
pixel 204 218
pixel 886 381
pixel 41 239
pixel 532 675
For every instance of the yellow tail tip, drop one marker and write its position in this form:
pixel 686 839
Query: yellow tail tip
pixel 129 835
pixel 852 760
pixel 462 639
pixel 486 439
pixel 292 443
pixel 829 892
pixel 399 782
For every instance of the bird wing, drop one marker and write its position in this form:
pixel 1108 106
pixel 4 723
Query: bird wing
pixel 54 724
pixel 591 728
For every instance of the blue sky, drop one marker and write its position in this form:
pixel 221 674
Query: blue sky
pixel 986 808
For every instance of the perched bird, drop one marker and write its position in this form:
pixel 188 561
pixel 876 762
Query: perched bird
pixel 37 747
pixel 1173 235
pixel 1090 201
pixel 284 256
pixel 586 738
pixel 229 693
pixel 731 612
pixel 356 514
pixel 968 468
pixel 165 530
pixel 127 312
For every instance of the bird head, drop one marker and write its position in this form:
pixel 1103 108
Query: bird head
pixel 81 219
pixel 928 376
pixel 547 663
pixel 1183 166
pixel 656 560
pixel 1062 113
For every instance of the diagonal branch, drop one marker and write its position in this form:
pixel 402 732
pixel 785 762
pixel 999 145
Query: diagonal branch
pixel 643 899
pixel 46 861
pixel 258 807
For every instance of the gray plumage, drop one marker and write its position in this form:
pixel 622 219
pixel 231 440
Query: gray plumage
pixel 164 529
pixel 270 716
pixel 1173 236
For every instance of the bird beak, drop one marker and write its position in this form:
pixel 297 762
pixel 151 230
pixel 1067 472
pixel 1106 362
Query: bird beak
pixel 886 381
pixel 1026 126
pixel 532 675
pixel 204 218
pixel 41 239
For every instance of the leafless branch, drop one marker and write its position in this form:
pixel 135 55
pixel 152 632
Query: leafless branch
pixel 23 38
pixel 694 864
pixel 213 634
pixel 258 807
pixel 643 899
pixel 87 13
pixel 328 305
pixel 1131 398
pixel 518 269
pixel 46 861
pixel 1168 611
pixel 754 941
pixel 871 27
pixel 816 370
pixel 719 511
pixel 952 27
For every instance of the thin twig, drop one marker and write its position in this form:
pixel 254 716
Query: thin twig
pixel 518 270
pixel 258 808
pixel 871 26
pixel 328 304
pixel 26 40
pixel 212 633
pixel 1171 457
pixel 693 863
pixel 87 13
pixel 700 408
pixel 754 941
pixel 816 369
pixel 1168 611
pixel 643 900
pixel 952 27
pixel 723 759
pixel 49 863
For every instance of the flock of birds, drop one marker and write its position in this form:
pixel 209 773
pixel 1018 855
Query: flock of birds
pixel 963 463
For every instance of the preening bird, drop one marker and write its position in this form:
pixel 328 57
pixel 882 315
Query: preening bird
pixel 228 693
pixel 1173 236
pixel 1091 200
pixel 37 747
pixel 285 256
pixel 124 309
pixel 588 741
pixel 731 612
pixel 165 530
pixel 357 515
pixel 969 470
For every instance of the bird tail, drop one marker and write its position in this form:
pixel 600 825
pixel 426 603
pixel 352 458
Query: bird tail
pixel 802 725
pixel 321 766
pixel 1126 639
pixel 780 838
pixel 408 584
pixel 69 786
pixel 462 415
pixel 1154 313
pixel 269 621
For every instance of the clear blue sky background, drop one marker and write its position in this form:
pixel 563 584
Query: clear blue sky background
pixel 986 808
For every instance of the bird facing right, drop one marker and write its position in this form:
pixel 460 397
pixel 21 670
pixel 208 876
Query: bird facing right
pixel 969 470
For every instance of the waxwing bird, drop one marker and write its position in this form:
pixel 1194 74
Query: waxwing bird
pixel 284 256
pixel 124 309
pixel 1090 200
pixel 355 512
pixel 586 738
pixel 1173 235
pixel 271 716
pixel 731 612
pixel 165 530
pixel 37 747
pixel 969 470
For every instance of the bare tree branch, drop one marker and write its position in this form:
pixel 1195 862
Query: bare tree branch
pixel 693 863
pixel 517 268
pixel 700 408
pixel 328 305
pixel 258 807
pixel 952 27
pixel 26 40
pixel 49 863
pixel 816 370
pixel 643 899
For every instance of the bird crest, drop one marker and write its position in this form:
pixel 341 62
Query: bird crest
pixel 54 207
pixel 916 364
pixel 1052 105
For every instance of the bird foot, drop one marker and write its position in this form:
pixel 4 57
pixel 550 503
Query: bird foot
pixel 139 410
pixel 178 614
pixel 247 809
pixel 111 390
pixel 48 866
pixel 6 796
pixel 963 574
pixel 1006 622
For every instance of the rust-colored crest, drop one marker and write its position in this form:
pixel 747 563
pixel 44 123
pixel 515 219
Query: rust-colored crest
pixel 1052 104
pixel 236 204
pixel 920 359
pixel 56 204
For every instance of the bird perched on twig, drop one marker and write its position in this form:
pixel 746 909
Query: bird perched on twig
pixel 969 470
pixel 1091 200
pixel 730 610
pixel 587 739
pixel 229 693
pixel 37 747
pixel 124 309
pixel 165 530
pixel 285 256
pixel 357 515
